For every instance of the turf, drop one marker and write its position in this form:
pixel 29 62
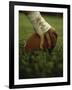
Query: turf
pixel 40 63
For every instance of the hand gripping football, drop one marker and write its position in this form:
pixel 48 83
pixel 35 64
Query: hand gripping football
pixel 50 39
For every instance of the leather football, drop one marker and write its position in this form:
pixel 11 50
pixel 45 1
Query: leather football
pixel 50 39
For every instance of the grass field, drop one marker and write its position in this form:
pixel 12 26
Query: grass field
pixel 40 63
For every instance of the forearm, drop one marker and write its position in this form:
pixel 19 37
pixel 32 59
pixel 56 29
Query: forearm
pixel 38 22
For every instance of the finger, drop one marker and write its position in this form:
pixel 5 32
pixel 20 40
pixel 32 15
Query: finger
pixel 48 40
pixel 53 37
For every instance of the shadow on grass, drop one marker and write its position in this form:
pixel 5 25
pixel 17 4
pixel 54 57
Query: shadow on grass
pixel 40 63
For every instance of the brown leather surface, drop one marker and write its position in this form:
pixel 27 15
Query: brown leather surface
pixel 33 42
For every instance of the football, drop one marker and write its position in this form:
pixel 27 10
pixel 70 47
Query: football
pixel 33 43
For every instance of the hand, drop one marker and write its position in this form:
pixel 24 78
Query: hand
pixel 51 37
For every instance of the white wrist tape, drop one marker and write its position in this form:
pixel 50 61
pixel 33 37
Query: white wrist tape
pixel 39 23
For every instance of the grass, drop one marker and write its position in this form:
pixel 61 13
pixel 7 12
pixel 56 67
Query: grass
pixel 40 63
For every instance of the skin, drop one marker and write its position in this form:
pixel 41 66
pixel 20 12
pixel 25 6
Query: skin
pixel 51 36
